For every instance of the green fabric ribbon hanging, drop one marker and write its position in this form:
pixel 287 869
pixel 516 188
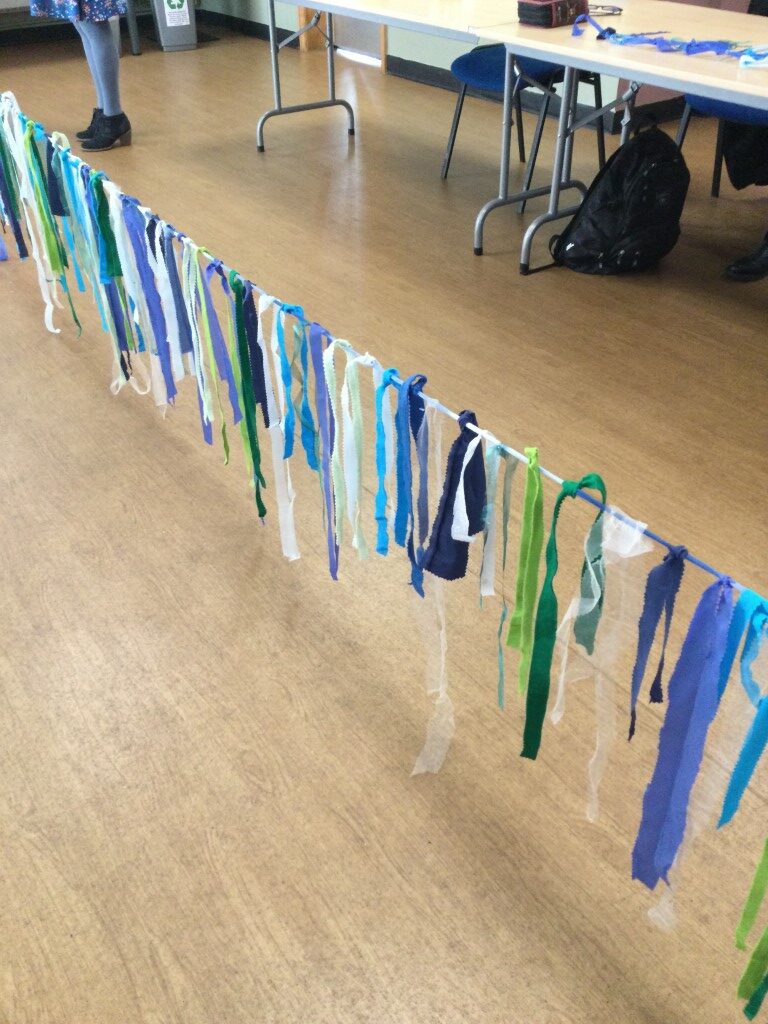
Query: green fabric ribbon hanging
pixel 250 435
pixel 545 628
pixel 521 621
pixel 753 985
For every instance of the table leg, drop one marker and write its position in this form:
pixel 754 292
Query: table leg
pixel 274 51
pixel 512 83
pixel 561 168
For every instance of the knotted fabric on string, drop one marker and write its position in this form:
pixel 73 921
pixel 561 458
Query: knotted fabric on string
pixel 660 593
pixel 462 505
pixel 285 380
pixel 318 339
pixel 408 420
pixel 622 540
pixel 250 431
pixel 521 621
pixel 693 701
pixel 9 198
pixel 284 492
pixel 750 619
pixel 385 456
pixel 546 622
pixel 494 455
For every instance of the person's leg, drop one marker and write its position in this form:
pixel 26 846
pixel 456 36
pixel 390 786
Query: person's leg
pixel 104 62
pixel 89 56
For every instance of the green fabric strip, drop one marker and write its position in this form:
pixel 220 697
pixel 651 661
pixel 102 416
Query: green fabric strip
pixel 754 900
pixel 546 623
pixel 756 1000
pixel 246 392
pixel 113 267
pixel 756 969
pixel 521 621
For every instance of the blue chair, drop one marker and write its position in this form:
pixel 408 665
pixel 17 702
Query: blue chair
pixel 723 112
pixel 483 69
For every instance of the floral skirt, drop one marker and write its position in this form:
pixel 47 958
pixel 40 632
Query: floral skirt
pixel 77 10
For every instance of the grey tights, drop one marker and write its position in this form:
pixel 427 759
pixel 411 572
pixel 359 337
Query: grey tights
pixel 103 59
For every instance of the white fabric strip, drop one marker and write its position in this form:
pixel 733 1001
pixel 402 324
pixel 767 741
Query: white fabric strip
pixel 284 492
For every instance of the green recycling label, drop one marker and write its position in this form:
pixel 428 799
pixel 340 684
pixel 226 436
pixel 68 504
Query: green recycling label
pixel 176 13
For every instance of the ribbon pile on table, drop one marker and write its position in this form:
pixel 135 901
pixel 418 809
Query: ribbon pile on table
pixel 747 56
pixel 267 368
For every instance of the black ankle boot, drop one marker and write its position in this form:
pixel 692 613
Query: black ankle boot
pixel 110 132
pixel 750 268
pixel 90 131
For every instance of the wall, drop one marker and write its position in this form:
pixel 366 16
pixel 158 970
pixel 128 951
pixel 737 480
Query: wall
pixel 286 15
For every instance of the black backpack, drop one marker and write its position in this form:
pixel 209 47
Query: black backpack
pixel 630 217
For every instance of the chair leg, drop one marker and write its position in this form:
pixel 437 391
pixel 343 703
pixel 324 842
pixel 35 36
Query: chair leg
pixel 682 130
pixel 546 100
pixel 520 135
pixel 454 129
pixel 717 171
pixel 600 126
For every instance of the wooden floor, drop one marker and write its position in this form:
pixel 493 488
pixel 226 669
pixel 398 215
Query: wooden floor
pixel 205 800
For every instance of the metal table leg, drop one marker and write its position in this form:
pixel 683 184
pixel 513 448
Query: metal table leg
pixel 560 168
pixel 274 50
pixel 133 28
pixel 513 81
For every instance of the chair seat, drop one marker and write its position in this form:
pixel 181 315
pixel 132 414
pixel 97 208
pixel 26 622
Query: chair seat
pixel 483 68
pixel 727 111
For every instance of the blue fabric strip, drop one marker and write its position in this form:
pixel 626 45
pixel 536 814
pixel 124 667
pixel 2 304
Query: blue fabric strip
pixel 136 227
pixel 752 612
pixel 693 701
pixel 382 532
pixel 661 590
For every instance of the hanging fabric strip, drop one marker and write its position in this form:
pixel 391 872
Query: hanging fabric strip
pixel 493 457
pixel 247 392
pixel 752 985
pixel 752 611
pixel 408 421
pixel 623 541
pixel 352 417
pixel 284 378
pixel 441 726
pixel 14 128
pixel 385 456
pixel 693 700
pixel 9 199
pixel 521 621
pixel 318 337
pixel 462 505
pixel 754 901
pixel 255 354
pixel 509 473
pixel 546 622
pixel 309 436
pixel 220 353
pixel 660 593
pixel 284 493
pixel 337 461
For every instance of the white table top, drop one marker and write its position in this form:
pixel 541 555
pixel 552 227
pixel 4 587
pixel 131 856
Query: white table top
pixel 448 18
pixel 703 74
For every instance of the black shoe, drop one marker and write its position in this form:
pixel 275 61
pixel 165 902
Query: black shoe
pixel 110 132
pixel 90 131
pixel 750 268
